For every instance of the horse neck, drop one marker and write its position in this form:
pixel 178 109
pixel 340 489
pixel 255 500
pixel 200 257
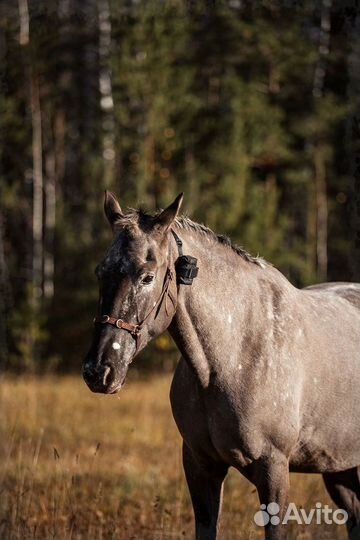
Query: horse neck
pixel 230 302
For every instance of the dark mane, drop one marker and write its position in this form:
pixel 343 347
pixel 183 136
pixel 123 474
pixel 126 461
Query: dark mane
pixel 145 221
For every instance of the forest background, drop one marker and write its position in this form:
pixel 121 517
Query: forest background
pixel 251 108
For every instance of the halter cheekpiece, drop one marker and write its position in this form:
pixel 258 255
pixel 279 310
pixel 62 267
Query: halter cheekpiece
pixel 186 271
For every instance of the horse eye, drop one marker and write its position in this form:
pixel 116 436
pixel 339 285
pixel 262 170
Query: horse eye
pixel 147 279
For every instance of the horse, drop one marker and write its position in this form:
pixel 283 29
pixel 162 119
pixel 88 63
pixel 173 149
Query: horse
pixel 269 376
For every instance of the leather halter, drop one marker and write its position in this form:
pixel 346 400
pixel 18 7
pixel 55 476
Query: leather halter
pixel 135 329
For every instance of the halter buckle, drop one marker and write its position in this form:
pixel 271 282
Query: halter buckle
pixel 118 323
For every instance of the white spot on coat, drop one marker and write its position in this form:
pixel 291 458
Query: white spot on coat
pixel 116 346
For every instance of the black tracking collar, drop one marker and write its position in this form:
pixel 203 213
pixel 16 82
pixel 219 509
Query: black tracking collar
pixel 185 265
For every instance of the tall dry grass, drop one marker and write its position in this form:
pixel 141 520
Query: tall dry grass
pixel 78 466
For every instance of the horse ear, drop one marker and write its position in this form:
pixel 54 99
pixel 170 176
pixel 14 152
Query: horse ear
pixel 164 220
pixel 112 208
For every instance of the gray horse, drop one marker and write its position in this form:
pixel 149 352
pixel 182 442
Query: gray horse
pixel 269 379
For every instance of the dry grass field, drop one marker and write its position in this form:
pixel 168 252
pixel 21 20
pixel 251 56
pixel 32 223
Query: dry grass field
pixel 75 465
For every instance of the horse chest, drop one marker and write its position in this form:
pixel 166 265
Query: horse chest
pixel 236 435
pixel 211 425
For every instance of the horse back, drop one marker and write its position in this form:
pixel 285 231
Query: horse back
pixel 348 291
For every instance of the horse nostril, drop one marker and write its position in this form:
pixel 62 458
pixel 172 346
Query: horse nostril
pixel 87 372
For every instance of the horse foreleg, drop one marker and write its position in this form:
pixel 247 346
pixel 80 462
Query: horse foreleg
pixel 272 482
pixel 205 481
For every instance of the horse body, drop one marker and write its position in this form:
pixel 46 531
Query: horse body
pixel 282 377
pixel 283 366
pixel 269 379
pixel 329 438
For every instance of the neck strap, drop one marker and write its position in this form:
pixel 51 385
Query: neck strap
pixel 178 243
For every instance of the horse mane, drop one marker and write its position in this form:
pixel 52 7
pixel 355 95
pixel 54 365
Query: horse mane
pixel 145 220
pixel 185 223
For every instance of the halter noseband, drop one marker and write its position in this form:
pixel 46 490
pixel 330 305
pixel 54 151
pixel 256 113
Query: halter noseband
pixel 186 271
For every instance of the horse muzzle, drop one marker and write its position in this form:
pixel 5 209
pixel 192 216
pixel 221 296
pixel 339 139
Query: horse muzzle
pixel 101 378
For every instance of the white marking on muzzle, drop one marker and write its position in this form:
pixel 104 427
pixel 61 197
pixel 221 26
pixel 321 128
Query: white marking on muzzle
pixel 106 373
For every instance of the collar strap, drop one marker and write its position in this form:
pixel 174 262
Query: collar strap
pixel 178 242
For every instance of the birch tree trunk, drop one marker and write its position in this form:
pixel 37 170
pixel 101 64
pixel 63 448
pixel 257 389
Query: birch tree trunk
pixel 50 215
pixel 23 22
pixel 106 94
pixel 38 184
pixel 37 203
